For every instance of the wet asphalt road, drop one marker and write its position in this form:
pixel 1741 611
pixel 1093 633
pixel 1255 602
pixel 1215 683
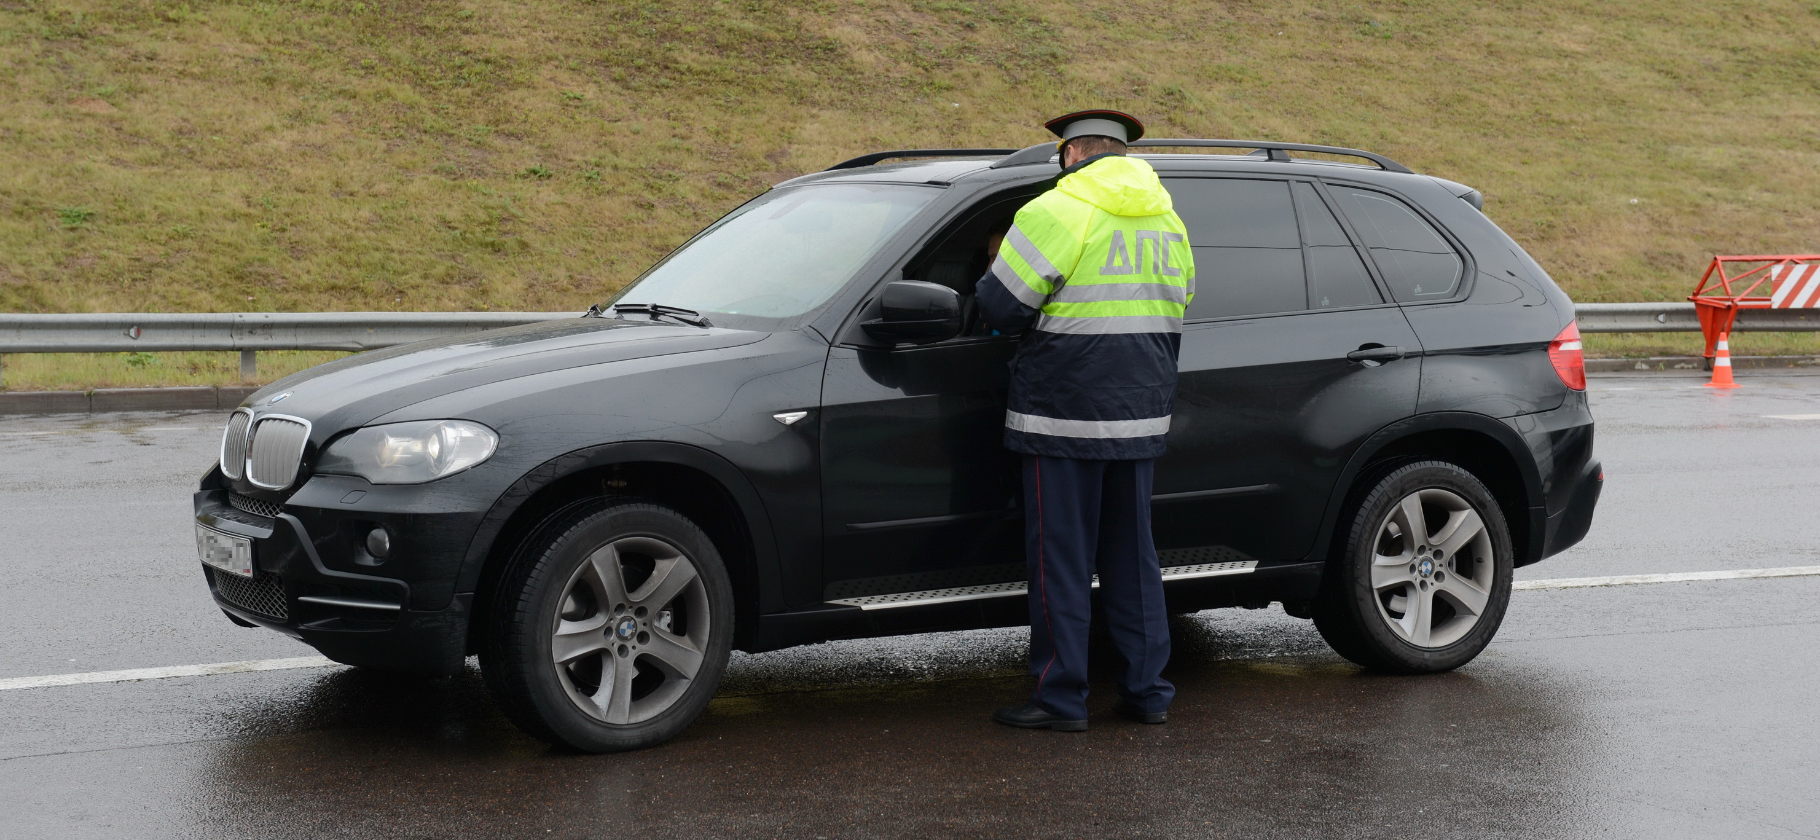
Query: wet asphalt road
pixel 1668 710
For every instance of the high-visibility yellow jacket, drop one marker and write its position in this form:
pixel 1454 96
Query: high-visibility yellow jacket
pixel 1097 272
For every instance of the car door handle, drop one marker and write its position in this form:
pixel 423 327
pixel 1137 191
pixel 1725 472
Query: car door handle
pixel 1374 356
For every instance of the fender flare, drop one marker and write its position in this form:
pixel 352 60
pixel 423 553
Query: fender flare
pixel 751 505
pixel 1440 421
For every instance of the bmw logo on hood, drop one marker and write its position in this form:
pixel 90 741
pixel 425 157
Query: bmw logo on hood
pixel 278 399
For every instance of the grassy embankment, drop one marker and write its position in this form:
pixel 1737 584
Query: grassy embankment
pixel 375 155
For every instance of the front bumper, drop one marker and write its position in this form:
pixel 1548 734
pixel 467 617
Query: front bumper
pixel 313 580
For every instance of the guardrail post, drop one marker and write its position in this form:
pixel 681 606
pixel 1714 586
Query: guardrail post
pixel 249 365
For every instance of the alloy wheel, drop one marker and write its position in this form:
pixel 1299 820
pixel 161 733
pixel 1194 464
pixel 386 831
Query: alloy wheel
pixel 1432 569
pixel 631 630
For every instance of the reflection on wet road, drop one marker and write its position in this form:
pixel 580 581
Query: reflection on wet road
pixel 1670 710
pixel 1677 710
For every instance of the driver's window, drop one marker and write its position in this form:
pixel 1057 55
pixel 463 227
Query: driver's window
pixel 962 255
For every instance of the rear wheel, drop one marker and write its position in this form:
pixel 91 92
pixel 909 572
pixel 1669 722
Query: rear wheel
pixel 611 628
pixel 1423 579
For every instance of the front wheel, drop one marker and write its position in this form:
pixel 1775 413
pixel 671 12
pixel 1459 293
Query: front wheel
pixel 611 628
pixel 1423 579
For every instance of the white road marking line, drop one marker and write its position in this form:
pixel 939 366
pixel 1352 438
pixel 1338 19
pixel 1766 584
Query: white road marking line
pixel 1793 416
pixel 167 672
pixel 1659 388
pixel 1671 577
pixel 323 662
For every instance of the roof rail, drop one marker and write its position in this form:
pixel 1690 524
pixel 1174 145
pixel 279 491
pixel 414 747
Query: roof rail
pixel 1039 153
pixel 1279 151
pixel 1044 152
pixel 877 157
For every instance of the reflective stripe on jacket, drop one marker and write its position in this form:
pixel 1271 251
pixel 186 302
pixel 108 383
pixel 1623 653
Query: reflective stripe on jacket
pixel 1098 271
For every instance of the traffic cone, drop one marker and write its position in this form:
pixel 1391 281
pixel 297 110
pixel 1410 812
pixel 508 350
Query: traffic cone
pixel 1722 365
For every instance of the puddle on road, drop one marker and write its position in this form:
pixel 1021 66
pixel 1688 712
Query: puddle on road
pixel 1294 744
pixel 1271 735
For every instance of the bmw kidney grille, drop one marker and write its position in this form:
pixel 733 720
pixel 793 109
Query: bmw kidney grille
pixel 233 444
pixel 277 451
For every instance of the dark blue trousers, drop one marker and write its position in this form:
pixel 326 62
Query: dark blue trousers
pixel 1081 516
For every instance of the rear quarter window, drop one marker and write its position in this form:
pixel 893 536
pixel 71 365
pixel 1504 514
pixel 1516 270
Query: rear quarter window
pixel 1417 263
pixel 1336 275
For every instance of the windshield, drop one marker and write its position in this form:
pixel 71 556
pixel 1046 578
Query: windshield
pixel 782 254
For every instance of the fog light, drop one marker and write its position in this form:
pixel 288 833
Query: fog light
pixel 379 543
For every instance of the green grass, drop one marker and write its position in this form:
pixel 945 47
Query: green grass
pixel 1644 345
pixel 398 154
pixel 85 371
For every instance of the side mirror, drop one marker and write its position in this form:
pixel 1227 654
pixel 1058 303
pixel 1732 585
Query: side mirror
pixel 916 312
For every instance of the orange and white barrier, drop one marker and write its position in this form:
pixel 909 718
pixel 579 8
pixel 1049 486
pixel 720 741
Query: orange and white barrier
pixel 1786 281
pixel 1796 288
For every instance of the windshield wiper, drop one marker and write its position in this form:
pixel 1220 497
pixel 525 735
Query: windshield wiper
pixel 658 310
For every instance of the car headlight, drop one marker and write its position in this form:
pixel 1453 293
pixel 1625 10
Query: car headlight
pixel 410 453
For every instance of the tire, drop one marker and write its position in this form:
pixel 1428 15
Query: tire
pixel 610 628
pixel 1421 605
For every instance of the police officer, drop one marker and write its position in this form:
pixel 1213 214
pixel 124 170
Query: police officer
pixel 1096 273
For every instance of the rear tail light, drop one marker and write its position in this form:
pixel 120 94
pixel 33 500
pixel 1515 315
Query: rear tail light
pixel 1569 361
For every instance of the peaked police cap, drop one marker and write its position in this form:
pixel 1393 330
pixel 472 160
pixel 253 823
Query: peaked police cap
pixel 1117 125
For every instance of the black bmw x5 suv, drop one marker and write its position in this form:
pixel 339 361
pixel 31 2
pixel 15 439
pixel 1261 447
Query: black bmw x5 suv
pixel 788 431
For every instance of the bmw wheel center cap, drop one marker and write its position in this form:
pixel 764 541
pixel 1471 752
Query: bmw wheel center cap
pixel 1427 567
pixel 626 629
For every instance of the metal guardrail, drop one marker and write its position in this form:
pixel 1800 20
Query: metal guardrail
pixel 250 332
pixel 111 333
pixel 247 332
pixel 1680 317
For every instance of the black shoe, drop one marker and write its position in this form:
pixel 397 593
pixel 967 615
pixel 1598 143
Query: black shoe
pixel 1036 717
pixel 1130 712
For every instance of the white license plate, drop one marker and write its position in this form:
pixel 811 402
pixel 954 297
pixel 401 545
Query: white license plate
pixel 225 551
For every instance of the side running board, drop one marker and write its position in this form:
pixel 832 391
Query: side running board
pixel 1007 590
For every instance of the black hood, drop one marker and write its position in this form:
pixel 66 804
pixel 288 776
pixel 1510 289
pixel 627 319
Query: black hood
pixel 351 392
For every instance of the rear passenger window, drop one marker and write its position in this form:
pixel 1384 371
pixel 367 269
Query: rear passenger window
pixel 1247 253
pixel 1416 262
pixel 1336 275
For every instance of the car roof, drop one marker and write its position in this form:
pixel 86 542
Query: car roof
pixel 1259 165
pixel 946 167
pixel 979 173
pixel 938 171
